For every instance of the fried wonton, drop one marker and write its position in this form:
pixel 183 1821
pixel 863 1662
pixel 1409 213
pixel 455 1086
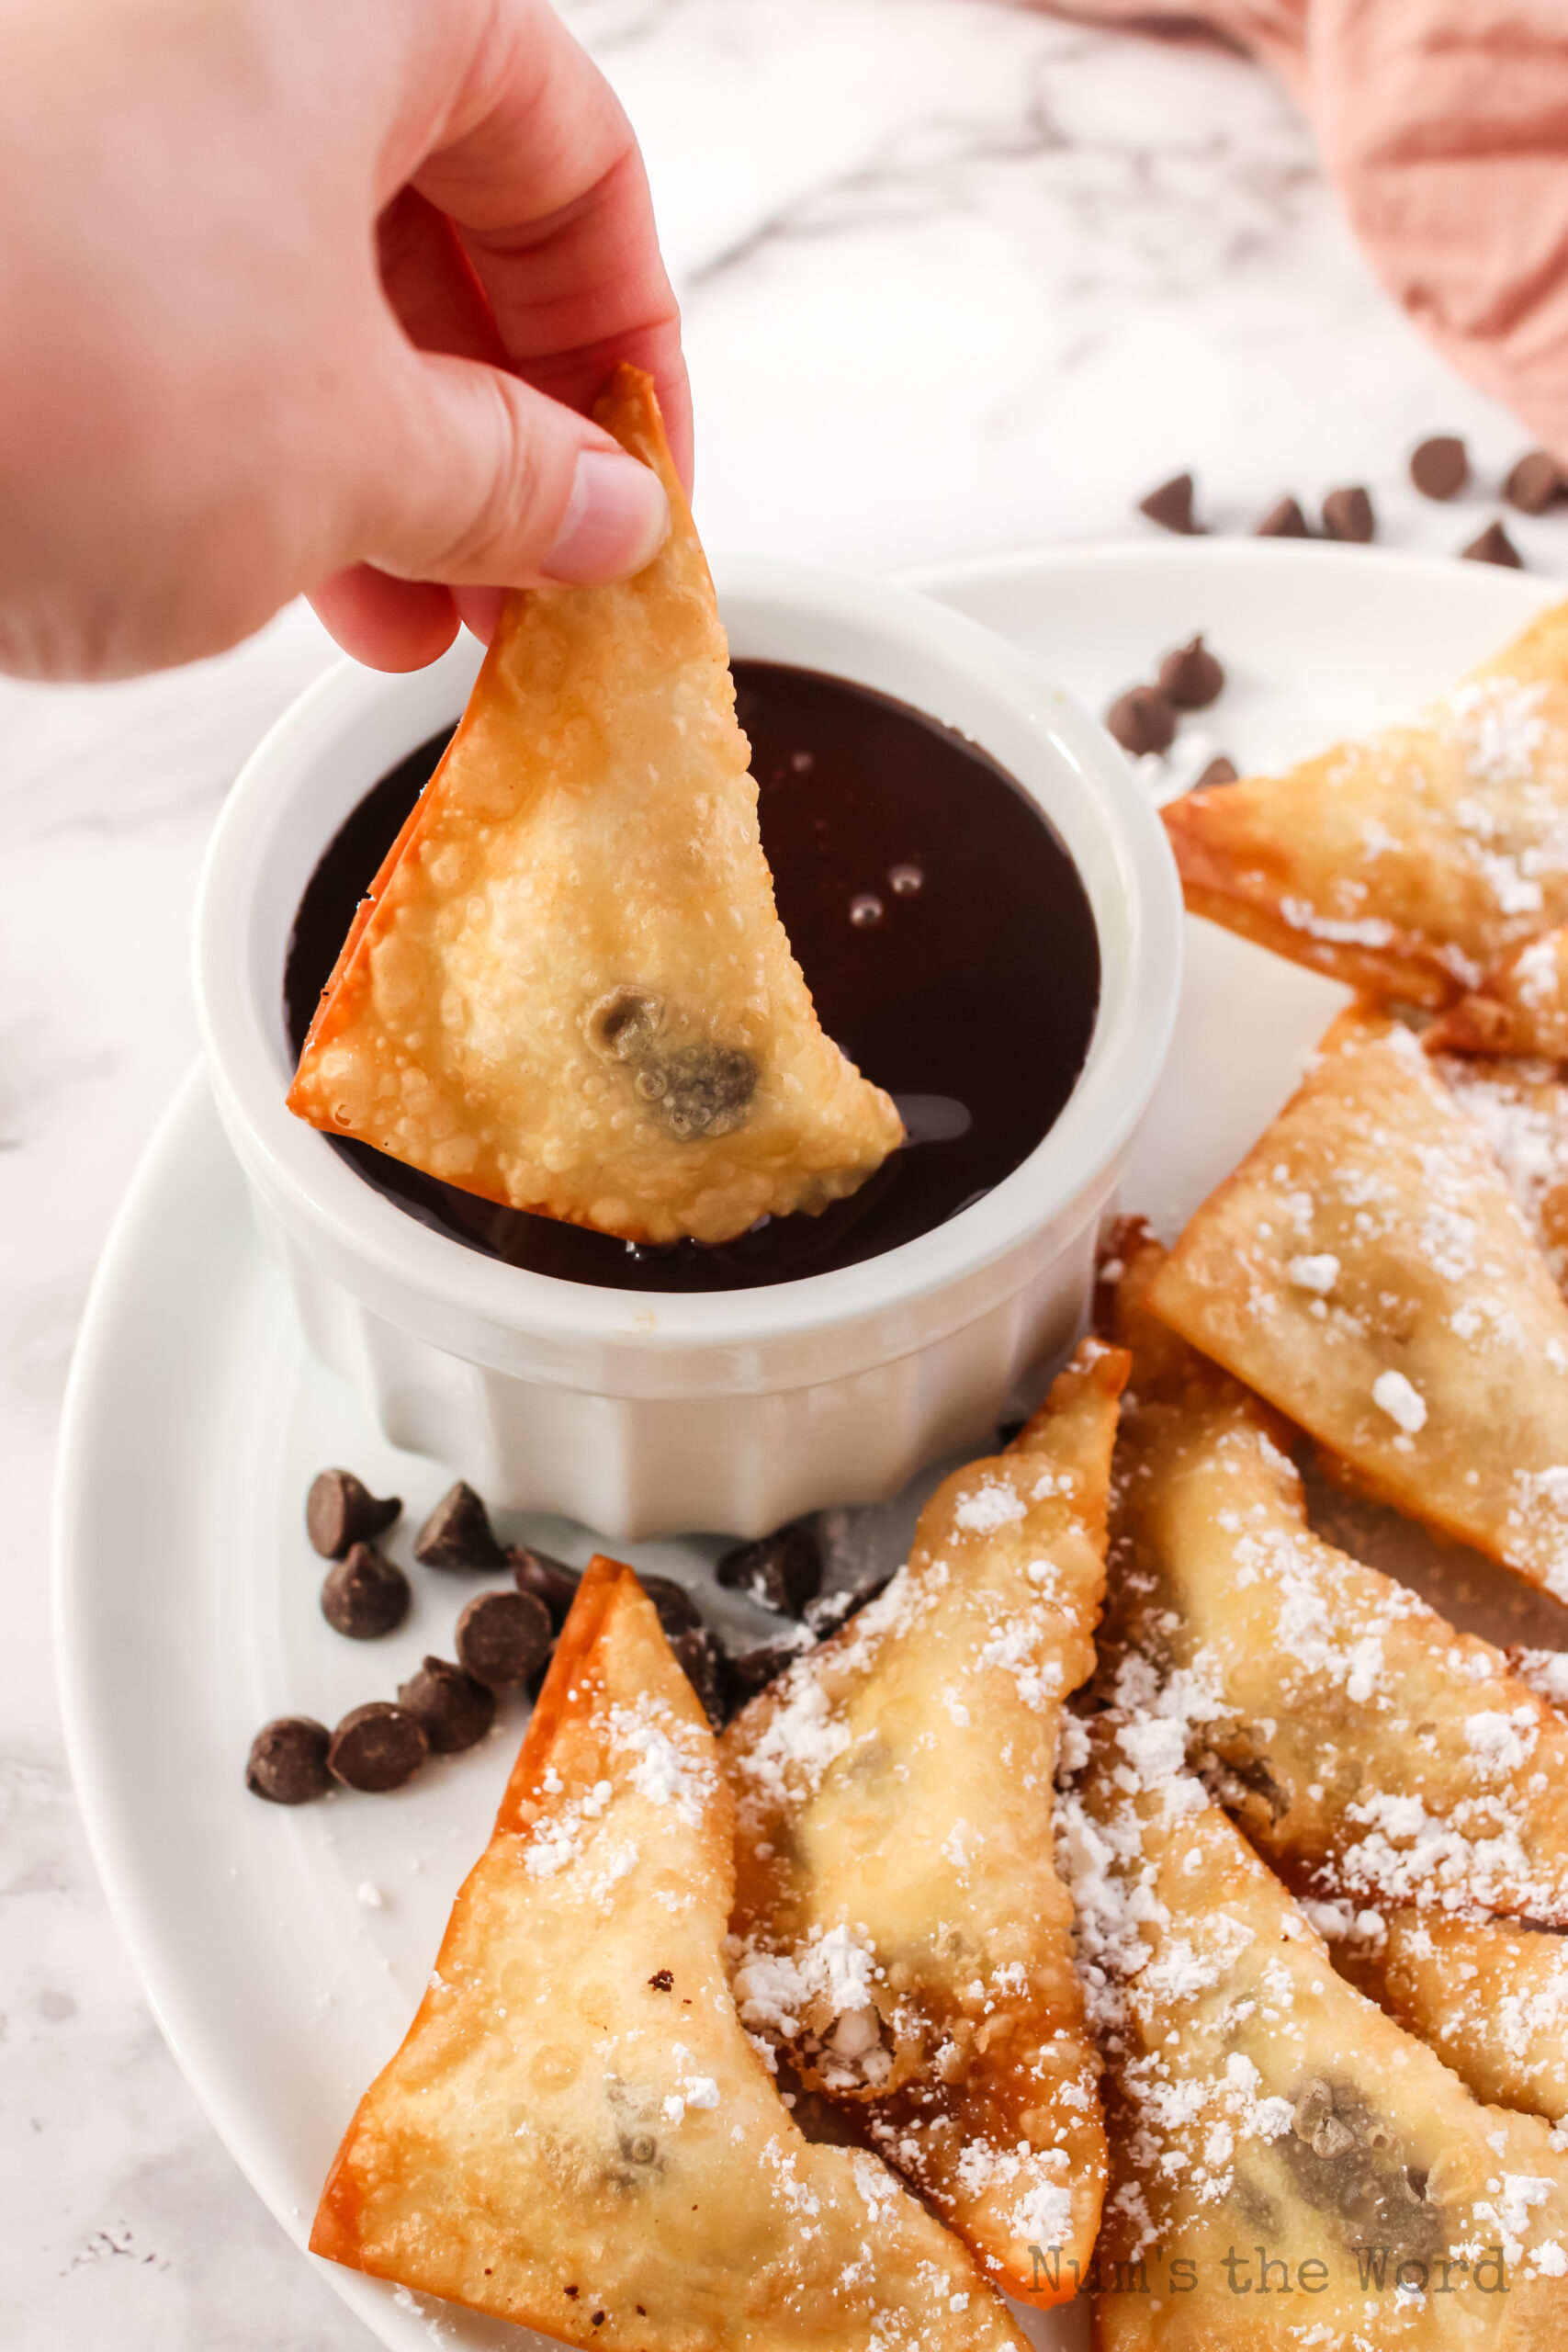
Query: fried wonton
pixel 1412 863
pixel 901 1932
pixel 1368 1748
pixel 1490 1996
pixel 1521 1108
pixel 1521 1008
pixel 577 2134
pixel 1368 1269
pixel 1289 2167
pixel 569 990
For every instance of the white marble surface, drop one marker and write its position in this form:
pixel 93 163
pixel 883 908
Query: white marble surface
pixel 958 279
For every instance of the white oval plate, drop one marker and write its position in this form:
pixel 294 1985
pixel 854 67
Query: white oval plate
pixel 284 1952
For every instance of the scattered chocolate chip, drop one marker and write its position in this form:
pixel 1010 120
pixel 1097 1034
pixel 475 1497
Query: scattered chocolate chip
pixel 1493 546
pixel 1347 514
pixel 661 1980
pixel 548 1578
pixel 458 1534
pixel 751 1669
pixel 1219 771
pixel 1285 520
pixel 831 1610
pixel 1440 468
pixel 287 1762
pixel 341 1510
pixel 502 1637
pixel 376 1747
pixel 454 1710
pixel 1172 506
pixel 782 1571
pixel 698 1656
pixel 1534 483
pixel 678 1612
pixel 1141 720
pixel 365 1596
pixel 1191 677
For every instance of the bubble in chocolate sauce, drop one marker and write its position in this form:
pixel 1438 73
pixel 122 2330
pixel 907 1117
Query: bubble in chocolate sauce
pixel 866 911
pixel 904 880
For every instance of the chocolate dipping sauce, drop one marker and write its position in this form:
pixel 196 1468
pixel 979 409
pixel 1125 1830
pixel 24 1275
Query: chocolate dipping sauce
pixel 945 934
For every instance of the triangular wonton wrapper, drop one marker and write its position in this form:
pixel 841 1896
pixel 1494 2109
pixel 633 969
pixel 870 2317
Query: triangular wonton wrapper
pixel 1368 1269
pixel 1521 1108
pixel 1369 1748
pixel 1489 1996
pixel 1260 2109
pixel 1408 865
pixel 902 1931
pixel 1520 1008
pixel 577 2134
pixel 569 990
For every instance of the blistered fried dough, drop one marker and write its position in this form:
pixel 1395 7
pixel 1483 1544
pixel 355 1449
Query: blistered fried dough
pixel 577 2134
pixel 1367 1270
pixel 900 1927
pixel 1289 2167
pixel 1489 1997
pixel 1521 1108
pixel 1369 1748
pixel 569 990
pixel 1521 1008
pixel 1411 863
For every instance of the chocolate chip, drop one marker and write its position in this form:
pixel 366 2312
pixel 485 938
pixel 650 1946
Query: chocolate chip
pixel 1172 506
pixel 1141 720
pixel 376 1747
pixel 502 1637
pixel 1219 771
pixel 365 1596
pixel 341 1510
pixel 1440 468
pixel 1285 520
pixel 661 1980
pixel 1534 483
pixel 700 1090
pixel 782 1571
pixel 1347 514
pixel 697 1654
pixel 678 1612
pixel 287 1762
pixel 548 1578
pixel 454 1710
pixel 1493 546
pixel 831 1610
pixel 751 1669
pixel 458 1534
pixel 1191 677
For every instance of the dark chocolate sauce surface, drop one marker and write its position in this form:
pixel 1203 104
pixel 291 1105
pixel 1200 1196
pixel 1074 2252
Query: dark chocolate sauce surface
pixel 945 934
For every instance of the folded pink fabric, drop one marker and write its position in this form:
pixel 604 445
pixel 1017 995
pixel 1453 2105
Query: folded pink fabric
pixel 1444 125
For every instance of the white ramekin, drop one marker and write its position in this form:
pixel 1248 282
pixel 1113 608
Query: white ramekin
pixel 731 1412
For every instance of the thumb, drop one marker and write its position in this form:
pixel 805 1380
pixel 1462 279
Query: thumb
pixel 489 482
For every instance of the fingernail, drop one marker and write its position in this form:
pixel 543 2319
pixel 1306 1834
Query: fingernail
pixel 616 520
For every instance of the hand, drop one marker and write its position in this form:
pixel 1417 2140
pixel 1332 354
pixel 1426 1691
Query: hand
pixel 309 295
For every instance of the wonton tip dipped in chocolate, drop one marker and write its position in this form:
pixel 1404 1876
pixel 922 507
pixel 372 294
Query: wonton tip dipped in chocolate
pixel 569 990
pixel 577 2134
pixel 901 1935
pixel 1412 861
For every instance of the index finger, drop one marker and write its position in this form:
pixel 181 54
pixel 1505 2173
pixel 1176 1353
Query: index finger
pixel 540 170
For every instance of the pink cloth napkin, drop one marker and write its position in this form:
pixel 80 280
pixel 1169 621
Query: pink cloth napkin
pixel 1444 125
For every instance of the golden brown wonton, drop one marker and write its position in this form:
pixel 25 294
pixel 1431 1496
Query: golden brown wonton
pixel 1412 863
pixel 901 1931
pixel 1262 2112
pixel 577 2134
pixel 1521 1108
pixel 1368 1270
pixel 569 990
pixel 1490 1996
pixel 1520 1008
pixel 1369 1749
